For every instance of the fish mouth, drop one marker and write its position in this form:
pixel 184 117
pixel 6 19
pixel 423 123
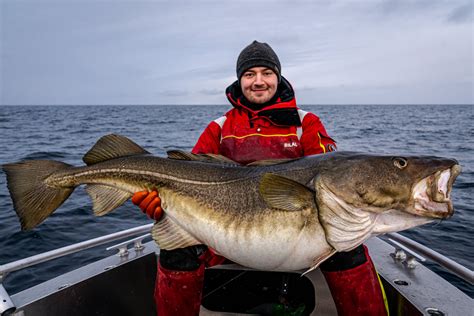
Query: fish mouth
pixel 432 195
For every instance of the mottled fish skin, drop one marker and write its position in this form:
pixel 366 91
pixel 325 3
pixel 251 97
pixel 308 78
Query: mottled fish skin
pixel 286 216
pixel 219 205
pixel 222 188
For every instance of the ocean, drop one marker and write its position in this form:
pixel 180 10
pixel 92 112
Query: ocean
pixel 66 133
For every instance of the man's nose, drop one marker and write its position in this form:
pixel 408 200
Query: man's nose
pixel 258 78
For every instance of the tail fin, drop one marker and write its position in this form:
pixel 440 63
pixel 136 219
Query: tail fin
pixel 33 199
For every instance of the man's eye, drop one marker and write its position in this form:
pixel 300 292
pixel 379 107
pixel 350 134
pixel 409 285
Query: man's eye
pixel 268 73
pixel 248 75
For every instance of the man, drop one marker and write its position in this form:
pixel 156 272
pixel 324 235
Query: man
pixel 265 123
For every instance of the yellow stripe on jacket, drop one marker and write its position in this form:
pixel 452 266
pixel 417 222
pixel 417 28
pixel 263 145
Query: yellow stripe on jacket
pixel 257 134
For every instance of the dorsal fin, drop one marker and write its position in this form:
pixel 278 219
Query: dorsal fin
pixel 270 162
pixel 182 155
pixel 112 146
pixel 210 158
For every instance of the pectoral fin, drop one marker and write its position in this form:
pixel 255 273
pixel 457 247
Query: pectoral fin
pixel 105 198
pixel 286 194
pixel 169 235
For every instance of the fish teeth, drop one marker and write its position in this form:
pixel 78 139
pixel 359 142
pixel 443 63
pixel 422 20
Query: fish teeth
pixel 430 194
pixel 442 184
pixel 420 191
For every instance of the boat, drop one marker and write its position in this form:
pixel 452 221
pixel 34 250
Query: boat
pixel 123 283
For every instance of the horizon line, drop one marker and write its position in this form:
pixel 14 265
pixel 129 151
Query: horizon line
pixel 222 104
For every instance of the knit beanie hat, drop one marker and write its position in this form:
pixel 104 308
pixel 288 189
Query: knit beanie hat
pixel 258 54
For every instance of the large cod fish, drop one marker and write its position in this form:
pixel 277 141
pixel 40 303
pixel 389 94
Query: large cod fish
pixel 286 215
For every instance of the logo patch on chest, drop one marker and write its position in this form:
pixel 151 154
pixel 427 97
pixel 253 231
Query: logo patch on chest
pixel 290 144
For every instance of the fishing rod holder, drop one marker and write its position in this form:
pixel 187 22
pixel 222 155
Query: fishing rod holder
pixel 405 255
pixel 123 247
pixel 404 245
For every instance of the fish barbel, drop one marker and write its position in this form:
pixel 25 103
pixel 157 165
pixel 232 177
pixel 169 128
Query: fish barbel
pixel 283 215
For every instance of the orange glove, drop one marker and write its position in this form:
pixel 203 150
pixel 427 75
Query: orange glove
pixel 149 202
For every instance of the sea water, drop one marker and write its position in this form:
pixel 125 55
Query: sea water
pixel 66 133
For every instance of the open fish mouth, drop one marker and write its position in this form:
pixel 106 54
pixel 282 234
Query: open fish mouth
pixel 432 195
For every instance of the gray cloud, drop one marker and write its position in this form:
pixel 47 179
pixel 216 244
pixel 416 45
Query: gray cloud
pixel 211 91
pixel 174 93
pixel 92 52
pixel 462 14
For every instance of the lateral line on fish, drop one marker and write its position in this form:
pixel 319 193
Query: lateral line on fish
pixel 158 175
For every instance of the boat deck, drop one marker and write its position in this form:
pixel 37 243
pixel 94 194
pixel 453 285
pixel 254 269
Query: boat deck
pixel 123 285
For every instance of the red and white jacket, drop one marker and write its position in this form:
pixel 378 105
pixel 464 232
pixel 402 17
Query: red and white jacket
pixel 276 131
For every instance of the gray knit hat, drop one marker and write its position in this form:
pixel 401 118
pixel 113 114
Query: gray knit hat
pixel 258 54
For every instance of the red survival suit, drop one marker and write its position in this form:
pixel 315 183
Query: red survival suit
pixel 275 131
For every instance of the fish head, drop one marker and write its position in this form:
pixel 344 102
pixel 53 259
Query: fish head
pixel 359 196
pixel 416 185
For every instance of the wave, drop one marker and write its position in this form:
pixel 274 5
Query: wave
pixel 66 133
pixel 46 155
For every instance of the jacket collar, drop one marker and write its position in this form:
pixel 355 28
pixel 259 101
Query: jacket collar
pixel 285 99
pixel 281 112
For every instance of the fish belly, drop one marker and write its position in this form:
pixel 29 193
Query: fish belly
pixel 269 240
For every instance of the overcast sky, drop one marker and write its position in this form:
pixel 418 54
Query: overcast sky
pixel 184 52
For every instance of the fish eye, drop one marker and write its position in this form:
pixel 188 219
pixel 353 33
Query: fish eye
pixel 400 162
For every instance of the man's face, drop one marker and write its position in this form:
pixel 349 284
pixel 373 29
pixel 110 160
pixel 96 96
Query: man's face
pixel 259 84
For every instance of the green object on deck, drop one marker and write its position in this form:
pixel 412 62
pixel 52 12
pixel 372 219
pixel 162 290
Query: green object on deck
pixel 286 310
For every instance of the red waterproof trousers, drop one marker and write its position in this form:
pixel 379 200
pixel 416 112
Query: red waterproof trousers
pixel 357 291
pixel 179 292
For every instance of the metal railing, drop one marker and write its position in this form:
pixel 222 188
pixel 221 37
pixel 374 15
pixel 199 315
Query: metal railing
pixel 60 252
pixel 416 249
pixel 6 305
pixel 411 245
pixel 401 243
